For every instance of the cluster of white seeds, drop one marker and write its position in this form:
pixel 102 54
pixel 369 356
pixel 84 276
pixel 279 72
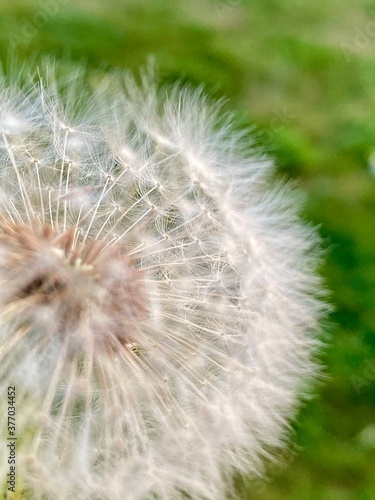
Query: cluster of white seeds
pixel 158 298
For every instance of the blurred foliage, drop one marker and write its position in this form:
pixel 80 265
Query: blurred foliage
pixel 304 73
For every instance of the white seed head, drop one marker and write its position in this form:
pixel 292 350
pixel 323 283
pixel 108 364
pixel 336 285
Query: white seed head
pixel 158 298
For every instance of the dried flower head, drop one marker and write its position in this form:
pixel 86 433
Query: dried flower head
pixel 158 298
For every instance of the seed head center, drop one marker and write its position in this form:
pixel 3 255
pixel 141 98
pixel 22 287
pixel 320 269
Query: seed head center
pixel 93 290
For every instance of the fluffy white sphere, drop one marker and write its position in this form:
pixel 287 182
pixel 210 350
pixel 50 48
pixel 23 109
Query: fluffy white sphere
pixel 158 298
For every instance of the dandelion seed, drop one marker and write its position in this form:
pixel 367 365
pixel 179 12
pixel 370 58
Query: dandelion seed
pixel 158 301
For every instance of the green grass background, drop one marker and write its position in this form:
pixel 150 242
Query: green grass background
pixel 304 74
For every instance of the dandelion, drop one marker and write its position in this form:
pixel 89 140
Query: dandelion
pixel 158 303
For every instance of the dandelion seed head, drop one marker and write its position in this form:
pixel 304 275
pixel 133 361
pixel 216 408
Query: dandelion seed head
pixel 159 304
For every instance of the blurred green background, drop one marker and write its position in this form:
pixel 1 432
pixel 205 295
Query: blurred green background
pixel 304 74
